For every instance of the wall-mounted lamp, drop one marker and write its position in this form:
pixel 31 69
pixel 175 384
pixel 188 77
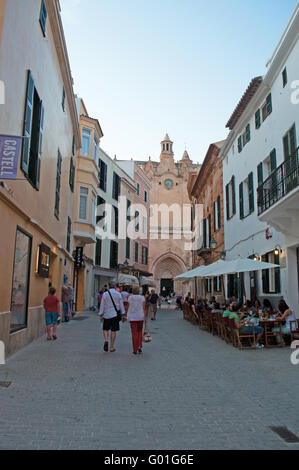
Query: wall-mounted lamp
pixel 213 246
pixel 277 250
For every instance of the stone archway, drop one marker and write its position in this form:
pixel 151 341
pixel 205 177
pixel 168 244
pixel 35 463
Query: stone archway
pixel 167 267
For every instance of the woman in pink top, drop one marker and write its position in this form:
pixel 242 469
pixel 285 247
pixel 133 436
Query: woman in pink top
pixel 136 314
pixel 125 296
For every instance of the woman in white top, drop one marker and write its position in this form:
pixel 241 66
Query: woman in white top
pixel 285 315
pixel 136 314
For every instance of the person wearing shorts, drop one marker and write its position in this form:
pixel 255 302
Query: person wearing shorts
pixel 51 305
pixel 108 315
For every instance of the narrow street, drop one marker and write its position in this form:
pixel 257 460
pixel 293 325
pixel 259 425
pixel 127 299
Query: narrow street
pixel 189 390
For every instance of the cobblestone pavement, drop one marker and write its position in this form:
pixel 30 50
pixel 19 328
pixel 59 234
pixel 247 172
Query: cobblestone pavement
pixel 189 390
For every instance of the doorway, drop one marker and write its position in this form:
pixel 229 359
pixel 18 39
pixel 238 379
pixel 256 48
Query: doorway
pixel 166 287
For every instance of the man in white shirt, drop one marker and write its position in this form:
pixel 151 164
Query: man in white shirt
pixel 108 315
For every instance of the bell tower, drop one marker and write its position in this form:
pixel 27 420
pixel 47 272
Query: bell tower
pixel 166 149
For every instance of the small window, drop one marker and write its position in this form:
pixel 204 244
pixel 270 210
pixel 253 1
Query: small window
pixel 138 189
pixel 85 142
pixel 284 77
pixel 83 204
pixel 68 235
pixel 258 119
pixel 136 257
pixel 128 248
pixel 63 99
pixel 145 196
pixel 43 17
pixel 267 107
pixel 58 185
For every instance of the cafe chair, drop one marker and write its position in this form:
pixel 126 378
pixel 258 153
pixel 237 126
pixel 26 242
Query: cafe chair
pixel 238 336
pixel 271 336
pixel 294 326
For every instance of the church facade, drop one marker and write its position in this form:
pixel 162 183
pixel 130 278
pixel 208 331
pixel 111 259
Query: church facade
pixel 170 226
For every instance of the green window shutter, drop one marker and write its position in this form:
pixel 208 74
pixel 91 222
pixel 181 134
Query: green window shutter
pixel 63 99
pixel 286 148
pixel 210 230
pixel 28 124
pixel 241 198
pixel 248 133
pixel 43 17
pixel 240 144
pixel 73 146
pixel 293 144
pixel 219 211
pixel 128 248
pixel 273 162
pixel 40 144
pixel 214 214
pixel 277 274
pixel 284 77
pixel 260 175
pixel 258 119
pixel 269 104
pixel 204 233
pixel 136 252
pixel 227 201
pixel 251 192
pixel 234 194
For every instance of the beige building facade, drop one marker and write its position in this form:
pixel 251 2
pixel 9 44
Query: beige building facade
pixel 37 208
pixel 169 252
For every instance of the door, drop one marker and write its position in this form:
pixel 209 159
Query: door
pixel 166 286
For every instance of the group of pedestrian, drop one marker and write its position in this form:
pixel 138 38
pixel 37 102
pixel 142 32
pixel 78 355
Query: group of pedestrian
pixel 125 306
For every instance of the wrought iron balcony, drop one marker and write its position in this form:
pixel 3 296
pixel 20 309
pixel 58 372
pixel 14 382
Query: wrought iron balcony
pixel 281 181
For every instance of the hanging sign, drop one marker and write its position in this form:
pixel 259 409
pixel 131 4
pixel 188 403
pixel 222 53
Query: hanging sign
pixel 10 147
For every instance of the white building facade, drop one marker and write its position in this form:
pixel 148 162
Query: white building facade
pixel 263 140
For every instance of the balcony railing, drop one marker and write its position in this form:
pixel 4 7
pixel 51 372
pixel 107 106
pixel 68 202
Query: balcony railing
pixel 282 181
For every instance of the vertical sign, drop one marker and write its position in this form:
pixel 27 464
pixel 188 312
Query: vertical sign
pixel 10 147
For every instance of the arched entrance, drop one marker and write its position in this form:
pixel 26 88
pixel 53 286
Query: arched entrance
pixel 165 269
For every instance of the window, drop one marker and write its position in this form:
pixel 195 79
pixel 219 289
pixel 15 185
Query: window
pixel 290 143
pixel 246 194
pixel 63 99
pixel 98 252
pixel 83 204
pixel 230 199
pixel 267 107
pixel 20 282
pixel 113 255
pixel 138 189
pixel 209 285
pixel 271 277
pixel 85 142
pixel 144 255
pixel 144 225
pixel 240 146
pixel 284 77
pixel 207 234
pixel 100 215
pixel 58 184
pixel 137 221
pixel 145 196
pixel 136 254
pixel 33 132
pixel 68 235
pixel 116 186
pixel 245 136
pixel 217 214
pixel 128 210
pixel 93 210
pixel 72 175
pixel 258 119
pixel 217 284
pixel 103 176
pixel 115 209
pixel 128 248
pixel 95 149
pixel 43 17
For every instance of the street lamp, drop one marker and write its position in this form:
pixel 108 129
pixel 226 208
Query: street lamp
pixel 213 246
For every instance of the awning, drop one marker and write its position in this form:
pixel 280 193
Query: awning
pixel 127 279
pixel 238 265
pixel 200 271
pixel 147 281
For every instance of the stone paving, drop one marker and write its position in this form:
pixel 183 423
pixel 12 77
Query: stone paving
pixel 188 391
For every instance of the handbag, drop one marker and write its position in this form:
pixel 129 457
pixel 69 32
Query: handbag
pixel 119 316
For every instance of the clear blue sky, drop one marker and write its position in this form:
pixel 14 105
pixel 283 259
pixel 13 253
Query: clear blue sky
pixel 147 67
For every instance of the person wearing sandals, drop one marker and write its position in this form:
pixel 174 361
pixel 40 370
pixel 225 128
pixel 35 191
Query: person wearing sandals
pixel 51 306
pixel 111 304
pixel 136 316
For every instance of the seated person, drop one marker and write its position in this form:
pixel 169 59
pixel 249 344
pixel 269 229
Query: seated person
pixel 216 308
pixel 227 311
pixel 243 326
pixel 267 308
pixel 285 315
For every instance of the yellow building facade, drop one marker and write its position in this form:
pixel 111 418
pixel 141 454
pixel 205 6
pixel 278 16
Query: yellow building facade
pixel 36 209
pixel 86 190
